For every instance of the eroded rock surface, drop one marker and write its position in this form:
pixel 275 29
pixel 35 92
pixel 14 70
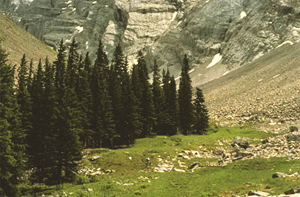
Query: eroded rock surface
pixel 239 30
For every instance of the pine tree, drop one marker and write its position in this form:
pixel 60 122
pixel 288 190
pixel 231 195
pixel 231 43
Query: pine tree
pixel 185 99
pixel 158 100
pixel 84 96
pixel 102 122
pixel 201 114
pixel 11 153
pixel 170 108
pixel 36 138
pixel 44 173
pixel 145 97
pixel 23 96
pixel 68 147
pixel 173 107
pixel 115 88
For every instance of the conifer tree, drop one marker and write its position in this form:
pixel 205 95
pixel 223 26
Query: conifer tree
pixel 170 109
pixel 84 96
pixel 67 145
pixel 23 96
pixel 173 107
pixel 201 114
pixel 145 97
pixel 158 100
pixel 115 88
pixel 102 122
pixel 185 99
pixel 36 138
pixel 11 153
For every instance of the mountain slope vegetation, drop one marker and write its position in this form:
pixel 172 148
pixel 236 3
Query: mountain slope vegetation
pixel 16 41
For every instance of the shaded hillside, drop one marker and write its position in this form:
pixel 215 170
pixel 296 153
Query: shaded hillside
pixel 267 90
pixel 16 41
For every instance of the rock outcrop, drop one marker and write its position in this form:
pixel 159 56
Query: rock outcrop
pixel 239 30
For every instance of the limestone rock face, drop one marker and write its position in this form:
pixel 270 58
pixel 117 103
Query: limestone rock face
pixel 240 30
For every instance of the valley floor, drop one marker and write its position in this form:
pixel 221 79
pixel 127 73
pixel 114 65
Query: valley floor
pixel 217 164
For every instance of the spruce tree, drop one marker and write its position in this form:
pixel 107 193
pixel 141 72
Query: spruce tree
pixel 84 96
pixel 36 138
pixel 158 100
pixel 115 88
pixel 145 97
pixel 185 99
pixel 173 107
pixel 11 137
pixel 102 122
pixel 68 147
pixel 23 96
pixel 201 117
pixel 170 108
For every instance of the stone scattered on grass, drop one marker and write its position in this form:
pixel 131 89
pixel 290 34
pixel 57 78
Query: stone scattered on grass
pixel 258 193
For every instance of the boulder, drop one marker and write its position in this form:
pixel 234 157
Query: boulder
pixel 294 129
pixel 279 175
pixel 94 158
pixel 257 193
pixel 242 142
pixel 290 191
pixel 294 138
pixel 194 165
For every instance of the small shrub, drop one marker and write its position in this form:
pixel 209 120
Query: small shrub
pixel 80 179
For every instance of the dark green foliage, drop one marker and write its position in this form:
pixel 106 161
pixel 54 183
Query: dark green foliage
pixel 185 99
pixel 200 113
pixel 144 96
pixel 23 97
pixel 67 148
pixel 158 101
pixel 12 147
pixel 57 110
pixel 102 122
pixel 170 109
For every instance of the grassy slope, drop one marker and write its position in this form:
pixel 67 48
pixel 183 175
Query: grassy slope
pixel 16 41
pixel 133 178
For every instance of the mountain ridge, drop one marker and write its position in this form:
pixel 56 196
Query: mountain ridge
pixel 16 41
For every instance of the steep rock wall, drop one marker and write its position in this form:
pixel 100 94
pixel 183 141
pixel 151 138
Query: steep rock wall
pixel 240 30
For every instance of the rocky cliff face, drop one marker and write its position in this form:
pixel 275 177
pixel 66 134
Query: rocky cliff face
pixel 240 30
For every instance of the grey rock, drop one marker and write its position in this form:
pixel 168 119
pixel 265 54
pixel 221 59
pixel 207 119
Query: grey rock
pixel 194 165
pixel 257 193
pixel 294 138
pixel 290 191
pixel 279 175
pixel 164 30
pixel 243 142
pixel 294 129
pixel 94 158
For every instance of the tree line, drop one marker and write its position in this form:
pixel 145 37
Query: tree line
pixel 51 113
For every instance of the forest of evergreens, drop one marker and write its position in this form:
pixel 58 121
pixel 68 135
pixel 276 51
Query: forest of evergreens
pixel 48 115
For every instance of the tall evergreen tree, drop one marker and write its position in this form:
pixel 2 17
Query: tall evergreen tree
pixel 145 97
pixel 84 96
pixel 158 100
pixel 173 107
pixel 170 109
pixel 68 147
pixel 36 138
pixel 24 99
pixel 185 99
pixel 115 88
pixel 201 114
pixel 102 122
pixel 11 153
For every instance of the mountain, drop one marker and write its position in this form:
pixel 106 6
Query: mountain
pixel 16 41
pixel 265 91
pixel 240 30
pixel 243 52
